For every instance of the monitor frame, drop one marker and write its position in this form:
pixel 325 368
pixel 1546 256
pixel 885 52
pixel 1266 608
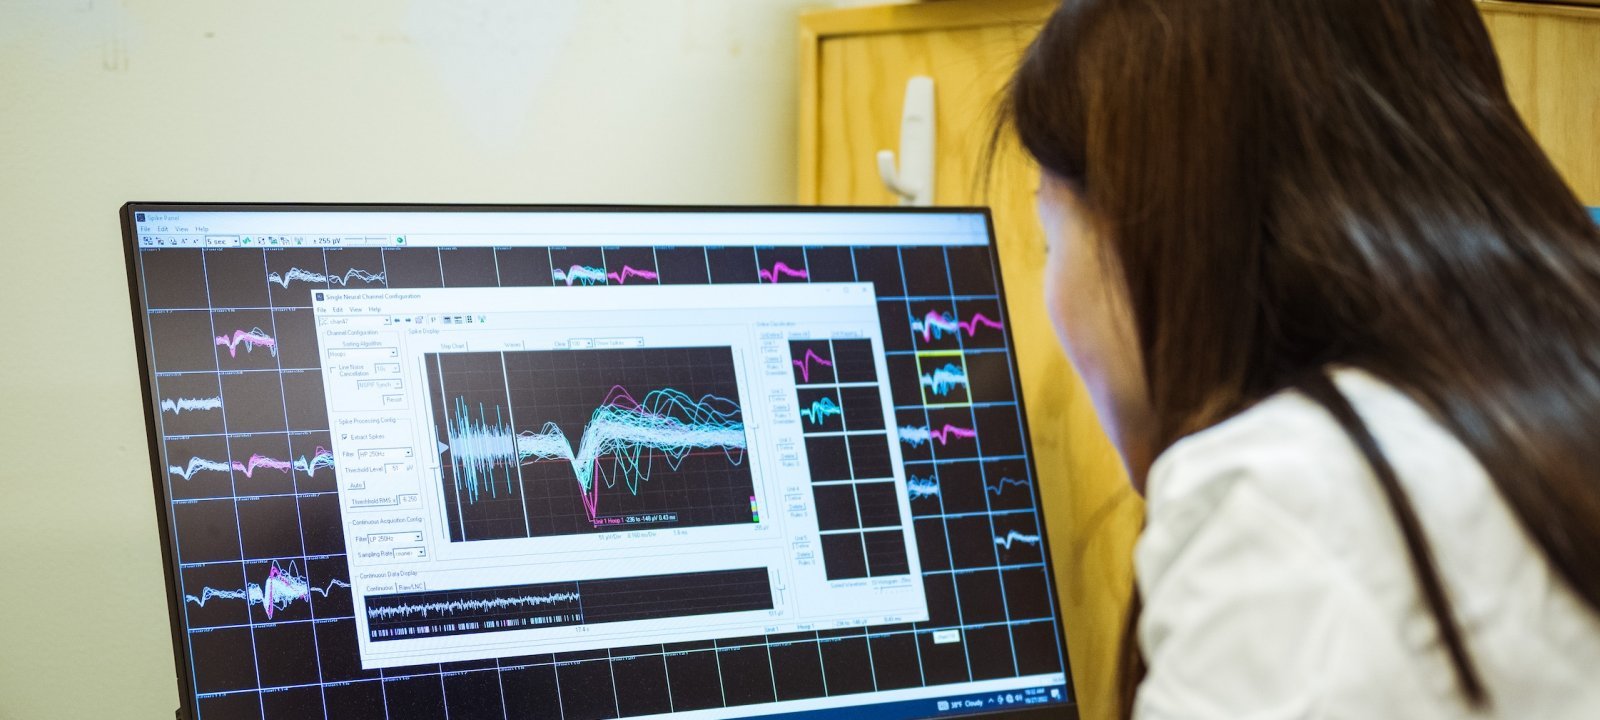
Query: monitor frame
pixel 187 695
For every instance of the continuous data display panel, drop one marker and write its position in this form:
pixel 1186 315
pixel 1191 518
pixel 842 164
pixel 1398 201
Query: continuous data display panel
pixel 559 442
pixel 264 587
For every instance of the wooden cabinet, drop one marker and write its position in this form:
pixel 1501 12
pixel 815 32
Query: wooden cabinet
pixel 855 63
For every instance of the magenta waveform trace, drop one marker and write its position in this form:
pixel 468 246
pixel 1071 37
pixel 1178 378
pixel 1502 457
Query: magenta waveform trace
pixel 250 339
pixel 781 269
pixel 281 589
pixel 804 364
pixel 937 324
pixel 915 436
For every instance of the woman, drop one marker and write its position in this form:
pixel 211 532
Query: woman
pixel 1342 319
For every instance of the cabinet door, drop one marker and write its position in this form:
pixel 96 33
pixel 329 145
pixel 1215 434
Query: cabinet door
pixel 1092 513
pixel 1551 59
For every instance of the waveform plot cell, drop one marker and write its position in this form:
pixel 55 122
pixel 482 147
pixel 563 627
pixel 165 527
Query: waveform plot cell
pixel 820 410
pixel 926 272
pixel 355 268
pixel 870 457
pixel 545 443
pixel 631 266
pixel 237 278
pixel 1017 539
pixel 830 264
pixel 578 266
pixel 828 458
pixel 961 487
pixel 292 273
pixel 223 660
pixel 311 461
pixel 174 279
pixel 523 267
pixel 894 321
pixel 214 595
pixel 1001 429
pixel 811 361
pixel 682 266
pixel 854 360
pixel 262 464
pixel 1008 484
pixel 198 467
pixel 781 265
pixel 469 267
pixel 732 265
pixel 412 268
pixel 253 402
pixel 863 408
pixel 269 527
pixel 881 267
pixel 189 404
pixel 971 270
pixel 305 401
pixel 207 530
pixel 943 379
pixel 989 377
pixel 835 507
pixel 245 340
pixel 182 341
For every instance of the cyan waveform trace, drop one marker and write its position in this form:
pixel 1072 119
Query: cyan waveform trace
pixel 820 410
pixel 470 607
pixel 804 363
pixel 322 458
pixel 296 274
pixel 919 488
pixel 1013 536
pixel 631 432
pixel 916 436
pixel 945 379
pixel 250 339
pixel 1000 487
pixel 781 269
pixel 937 324
pixel 281 589
pixel 178 406
pixel 586 275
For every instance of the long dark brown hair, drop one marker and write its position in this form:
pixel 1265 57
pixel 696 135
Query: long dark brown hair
pixel 1289 186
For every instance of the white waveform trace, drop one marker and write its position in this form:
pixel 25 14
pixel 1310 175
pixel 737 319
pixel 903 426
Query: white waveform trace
pixel 296 274
pixel 455 607
pixel 1013 536
pixel 630 433
pixel 178 406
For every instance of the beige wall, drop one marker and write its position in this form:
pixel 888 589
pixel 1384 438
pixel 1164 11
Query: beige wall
pixel 659 101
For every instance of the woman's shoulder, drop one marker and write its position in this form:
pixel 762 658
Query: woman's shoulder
pixel 1290 449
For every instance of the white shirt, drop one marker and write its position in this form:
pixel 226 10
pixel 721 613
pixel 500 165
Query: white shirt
pixel 1276 583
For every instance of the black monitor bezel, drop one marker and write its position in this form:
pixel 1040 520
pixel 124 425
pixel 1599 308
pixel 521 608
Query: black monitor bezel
pixel 187 694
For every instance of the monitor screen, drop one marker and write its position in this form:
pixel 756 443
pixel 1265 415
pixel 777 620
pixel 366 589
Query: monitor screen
pixel 529 462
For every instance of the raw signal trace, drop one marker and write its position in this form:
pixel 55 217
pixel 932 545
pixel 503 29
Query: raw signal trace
pixel 562 444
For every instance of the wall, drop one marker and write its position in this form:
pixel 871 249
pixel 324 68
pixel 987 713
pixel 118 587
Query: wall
pixel 101 102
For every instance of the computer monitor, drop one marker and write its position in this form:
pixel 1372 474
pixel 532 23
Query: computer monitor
pixel 540 462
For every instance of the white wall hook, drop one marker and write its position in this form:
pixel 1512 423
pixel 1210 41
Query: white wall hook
pixel 912 180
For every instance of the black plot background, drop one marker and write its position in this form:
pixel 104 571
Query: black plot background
pixel 565 387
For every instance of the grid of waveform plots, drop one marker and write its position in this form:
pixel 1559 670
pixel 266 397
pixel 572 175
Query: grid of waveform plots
pixel 847 451
pixel 557 442
pixel 263 579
